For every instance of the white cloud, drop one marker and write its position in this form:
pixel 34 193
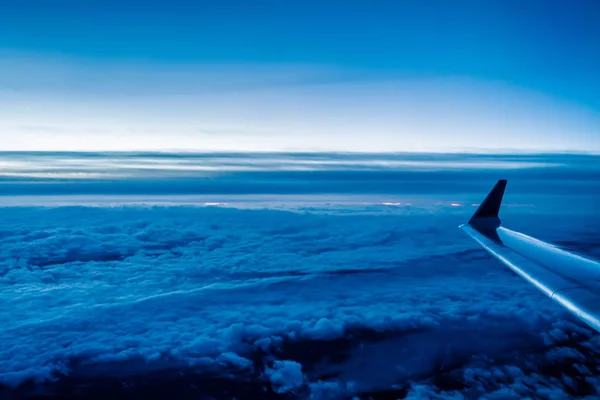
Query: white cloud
pixel 286 376
pixel 314 303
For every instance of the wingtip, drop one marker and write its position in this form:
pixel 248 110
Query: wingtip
pixel 489 209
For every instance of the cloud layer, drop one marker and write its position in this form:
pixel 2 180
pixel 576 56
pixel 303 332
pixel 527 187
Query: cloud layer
pixel 316 305
pixel 63 173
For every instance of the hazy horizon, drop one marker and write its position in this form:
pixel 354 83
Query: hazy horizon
pixel 300 76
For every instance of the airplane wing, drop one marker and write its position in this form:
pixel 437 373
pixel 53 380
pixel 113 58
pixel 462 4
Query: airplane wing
pixel 569 279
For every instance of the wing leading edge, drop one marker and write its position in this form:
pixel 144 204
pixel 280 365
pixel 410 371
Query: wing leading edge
pixel 569 279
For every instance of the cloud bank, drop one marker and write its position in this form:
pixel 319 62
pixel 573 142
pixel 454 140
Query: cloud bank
pixel 225 302
pixel 63 173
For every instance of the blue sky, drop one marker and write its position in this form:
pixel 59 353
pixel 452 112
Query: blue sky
pixel 300 76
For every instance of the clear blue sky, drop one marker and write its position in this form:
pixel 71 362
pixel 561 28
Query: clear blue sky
pixel 281 75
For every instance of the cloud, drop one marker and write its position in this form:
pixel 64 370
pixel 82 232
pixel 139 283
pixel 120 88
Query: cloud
pixel 317 304
pixel 63 173
pixel 286 376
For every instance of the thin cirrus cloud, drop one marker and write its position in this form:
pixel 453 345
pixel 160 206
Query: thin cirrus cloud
pixel 316 173
pixel 61 104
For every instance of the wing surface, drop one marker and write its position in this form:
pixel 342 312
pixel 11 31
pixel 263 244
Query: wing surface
pixel 570 279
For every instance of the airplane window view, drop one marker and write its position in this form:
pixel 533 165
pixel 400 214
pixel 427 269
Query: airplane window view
pixel 313 200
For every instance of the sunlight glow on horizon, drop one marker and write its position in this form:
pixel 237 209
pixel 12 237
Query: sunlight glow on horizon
pixel 319 110
pixel 234 76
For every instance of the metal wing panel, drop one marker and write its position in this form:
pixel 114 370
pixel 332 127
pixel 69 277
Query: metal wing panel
pixel 582 301
pixel 572 266
pixel 545 280
pixel 571 280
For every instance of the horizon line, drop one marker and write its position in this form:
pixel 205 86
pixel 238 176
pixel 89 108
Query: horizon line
pixel 483 152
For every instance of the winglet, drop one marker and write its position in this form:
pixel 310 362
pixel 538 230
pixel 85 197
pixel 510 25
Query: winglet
pixel 487 213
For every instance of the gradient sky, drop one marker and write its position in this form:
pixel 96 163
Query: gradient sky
pixel 300 75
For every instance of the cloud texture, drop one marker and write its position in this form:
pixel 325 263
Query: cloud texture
pixel 303 304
